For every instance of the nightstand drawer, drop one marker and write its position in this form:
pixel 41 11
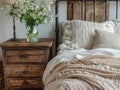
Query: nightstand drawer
pixel 24 71
pixel 28 82
pixel 28 59
pixel 25 56
pixel 21 52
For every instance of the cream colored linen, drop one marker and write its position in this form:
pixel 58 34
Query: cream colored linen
pixel 68 55
pixel 96 72
pixel 117 25
pixel 105 39
pixel 80 34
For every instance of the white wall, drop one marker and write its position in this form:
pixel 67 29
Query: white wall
pixel 46 30
pixel 112 13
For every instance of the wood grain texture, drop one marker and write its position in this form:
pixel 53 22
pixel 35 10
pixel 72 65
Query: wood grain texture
pixel 24 71
pixel 26 56
pixel 85 10
pixel 21 52
pixel 24 63
pixel 42 42
pixel 25 83
pixel 69 10
pixel 1 74
pixel 77 11
pixel 29 59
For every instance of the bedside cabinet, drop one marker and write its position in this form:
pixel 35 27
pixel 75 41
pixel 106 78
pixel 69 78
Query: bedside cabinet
pixel 24 63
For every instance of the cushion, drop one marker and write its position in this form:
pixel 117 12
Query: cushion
pixel 80 34
pixel 117 25
pixel 105 39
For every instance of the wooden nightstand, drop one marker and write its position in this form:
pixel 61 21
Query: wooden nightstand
pixel 24 63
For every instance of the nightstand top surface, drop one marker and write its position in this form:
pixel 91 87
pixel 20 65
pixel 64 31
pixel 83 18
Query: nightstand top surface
pixel 42 42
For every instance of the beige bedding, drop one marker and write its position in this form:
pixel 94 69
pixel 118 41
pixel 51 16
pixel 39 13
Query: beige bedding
pixel 96 72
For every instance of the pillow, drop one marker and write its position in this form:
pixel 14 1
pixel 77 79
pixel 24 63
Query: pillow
pixel 80 34
pixel 117 25
pixel 105 39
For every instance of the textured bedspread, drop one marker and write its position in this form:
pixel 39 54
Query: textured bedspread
pixel 95 72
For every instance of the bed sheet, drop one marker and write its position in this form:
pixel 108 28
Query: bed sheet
pixel 68 55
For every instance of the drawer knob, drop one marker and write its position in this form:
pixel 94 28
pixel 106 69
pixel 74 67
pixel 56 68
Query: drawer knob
pixel 24 55
pixel 26 83
pixel 25 72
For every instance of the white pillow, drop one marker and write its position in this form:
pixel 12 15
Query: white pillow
pixel 80 34
pixel 117 26
pixel 105 39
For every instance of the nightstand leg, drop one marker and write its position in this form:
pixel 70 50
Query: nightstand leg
pixel 11 89
pixel 7 88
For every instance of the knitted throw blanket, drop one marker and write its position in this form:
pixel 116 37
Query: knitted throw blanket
pixel 98 72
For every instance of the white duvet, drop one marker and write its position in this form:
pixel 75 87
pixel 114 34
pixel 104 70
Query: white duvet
pixel 68 55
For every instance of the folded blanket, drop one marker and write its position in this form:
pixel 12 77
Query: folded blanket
pixel 95 72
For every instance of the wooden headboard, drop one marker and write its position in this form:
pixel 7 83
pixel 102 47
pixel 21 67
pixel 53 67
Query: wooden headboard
pixel 90 10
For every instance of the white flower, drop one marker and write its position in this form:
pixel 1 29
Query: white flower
pixel 24 11
pixel 45 21
pixel 40 13
pixel 49 7
pixel 50 2
pixel 32 12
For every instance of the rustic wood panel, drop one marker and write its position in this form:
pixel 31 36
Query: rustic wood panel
pixel 21 52
pixel 70 10
pixel 77 9
pixel 24 71
pixel 24 63
pixel 25 56
pixel 42 42
pixel 29 59
pixel 25 83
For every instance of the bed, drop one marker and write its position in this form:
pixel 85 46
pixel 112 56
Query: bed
pixel 88 56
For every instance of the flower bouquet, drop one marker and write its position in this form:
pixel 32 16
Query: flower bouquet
pixel 33 13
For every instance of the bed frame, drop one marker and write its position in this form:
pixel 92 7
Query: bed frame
pixel 77 9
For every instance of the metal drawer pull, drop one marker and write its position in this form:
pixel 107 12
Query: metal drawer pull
pixel 24 55
pixel 25 72
pixel 26 83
